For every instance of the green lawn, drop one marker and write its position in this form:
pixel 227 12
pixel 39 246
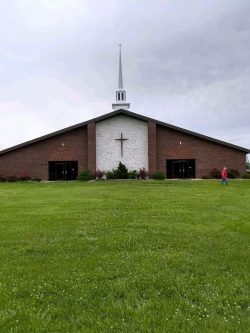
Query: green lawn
pixel 131 256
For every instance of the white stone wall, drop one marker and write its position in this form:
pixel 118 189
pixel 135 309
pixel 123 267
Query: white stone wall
pixel 108 149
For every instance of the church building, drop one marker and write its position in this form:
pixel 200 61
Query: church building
pixel 121 135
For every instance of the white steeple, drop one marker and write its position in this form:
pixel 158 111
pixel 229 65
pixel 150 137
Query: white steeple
pixel 120 80
pixel 120 93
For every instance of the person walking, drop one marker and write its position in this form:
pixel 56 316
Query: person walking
pixel 224 176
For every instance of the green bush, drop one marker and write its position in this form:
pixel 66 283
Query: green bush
pixel 11 179
pixel 232 173
pixel 85 176
pixel 113 174
pixel 132 174
pixel 246 176
pixel 122 171
pixel 159 175
pixel 215 173
pixel 205 177
pixel 24 177
pixel 36 179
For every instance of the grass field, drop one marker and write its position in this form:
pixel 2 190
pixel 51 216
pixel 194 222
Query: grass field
pixel 132 256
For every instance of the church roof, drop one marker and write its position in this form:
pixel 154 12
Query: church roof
pixel 129 114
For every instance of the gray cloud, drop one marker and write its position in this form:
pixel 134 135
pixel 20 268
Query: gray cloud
pixel 185 62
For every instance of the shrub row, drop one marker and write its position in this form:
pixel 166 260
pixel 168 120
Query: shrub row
pixel 85 176
pixel 12 179
pixel 232 173
pixel 246 176
pixel 121 172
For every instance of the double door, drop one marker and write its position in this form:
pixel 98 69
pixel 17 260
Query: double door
pixel 63 170
pixel 180 169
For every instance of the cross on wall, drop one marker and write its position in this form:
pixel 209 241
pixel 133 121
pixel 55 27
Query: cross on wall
pixel 121 139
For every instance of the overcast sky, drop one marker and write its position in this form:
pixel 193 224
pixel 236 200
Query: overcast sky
pixel 185 62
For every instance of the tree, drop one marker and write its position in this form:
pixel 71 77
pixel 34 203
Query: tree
pixel 122 171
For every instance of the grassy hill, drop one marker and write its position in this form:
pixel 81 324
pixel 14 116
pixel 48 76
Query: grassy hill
pixel 128 256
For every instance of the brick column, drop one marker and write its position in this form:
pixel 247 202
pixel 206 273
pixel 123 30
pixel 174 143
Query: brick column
pixel 151 147
pixel 91 148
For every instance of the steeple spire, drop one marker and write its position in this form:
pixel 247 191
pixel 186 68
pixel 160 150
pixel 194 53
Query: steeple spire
pixel 120 93
pixel 120 81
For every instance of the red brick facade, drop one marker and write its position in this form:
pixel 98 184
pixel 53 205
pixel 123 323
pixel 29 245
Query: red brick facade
pixel 151 147
pixel 208 155
pixel 91 148
pixel 78 143
pixel 33 159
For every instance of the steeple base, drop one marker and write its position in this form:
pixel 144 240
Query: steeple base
pixel 118 106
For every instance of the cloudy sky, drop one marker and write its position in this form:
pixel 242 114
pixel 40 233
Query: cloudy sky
pixel 185 62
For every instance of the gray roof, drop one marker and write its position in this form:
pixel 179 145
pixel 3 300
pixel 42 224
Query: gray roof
pixel 132 115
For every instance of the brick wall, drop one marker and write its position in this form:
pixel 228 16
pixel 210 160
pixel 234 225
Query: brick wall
pixel 33 159
pixel 151 148
pixel 92 147
pixel 173 144
pixel 80 145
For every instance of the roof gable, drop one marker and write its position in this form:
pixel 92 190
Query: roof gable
pixel 129 114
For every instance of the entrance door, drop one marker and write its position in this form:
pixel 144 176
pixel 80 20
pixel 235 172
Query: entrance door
pixel 60 173
pixel 63 170
pixel 180 169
